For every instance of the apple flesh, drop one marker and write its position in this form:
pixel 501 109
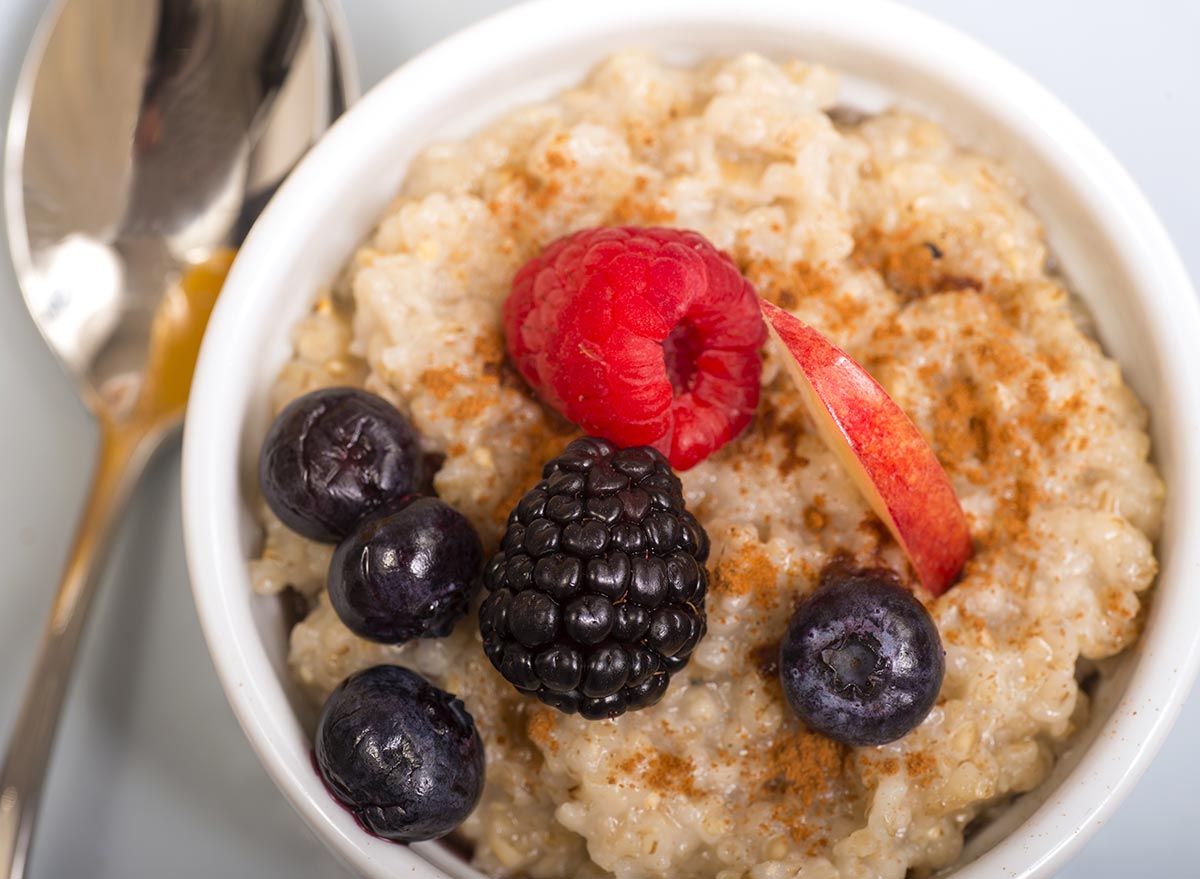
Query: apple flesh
pixel 888 459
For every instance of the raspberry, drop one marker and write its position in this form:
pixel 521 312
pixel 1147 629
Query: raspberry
pixel 644 336
pixel 597 594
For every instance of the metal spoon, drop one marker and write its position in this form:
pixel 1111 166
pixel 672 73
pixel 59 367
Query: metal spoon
pixel 146 136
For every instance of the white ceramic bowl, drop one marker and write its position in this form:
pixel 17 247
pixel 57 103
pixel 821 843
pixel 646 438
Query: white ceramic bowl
pixel 1106 237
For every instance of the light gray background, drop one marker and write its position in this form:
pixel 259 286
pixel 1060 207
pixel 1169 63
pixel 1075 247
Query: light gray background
pixel 153 777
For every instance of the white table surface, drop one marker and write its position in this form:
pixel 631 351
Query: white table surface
pixel 152 777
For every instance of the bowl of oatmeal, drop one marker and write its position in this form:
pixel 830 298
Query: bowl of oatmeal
pixel 929 209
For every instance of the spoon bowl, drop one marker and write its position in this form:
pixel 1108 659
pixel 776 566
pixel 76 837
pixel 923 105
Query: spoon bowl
pixel 145 138
pixel 146 135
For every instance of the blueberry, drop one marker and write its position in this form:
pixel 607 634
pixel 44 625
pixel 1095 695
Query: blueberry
pixel 406 574
pixel 334 456
pixel 862 661
pixel 403 756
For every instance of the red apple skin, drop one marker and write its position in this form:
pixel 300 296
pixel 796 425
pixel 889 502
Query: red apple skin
pixel 877 442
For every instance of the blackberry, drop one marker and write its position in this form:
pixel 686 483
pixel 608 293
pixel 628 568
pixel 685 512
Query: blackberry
pixel 596 596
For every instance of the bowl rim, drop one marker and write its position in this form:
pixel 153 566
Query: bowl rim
pixel 1044 842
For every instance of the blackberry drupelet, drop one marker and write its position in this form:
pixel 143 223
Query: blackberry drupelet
pixel 597 593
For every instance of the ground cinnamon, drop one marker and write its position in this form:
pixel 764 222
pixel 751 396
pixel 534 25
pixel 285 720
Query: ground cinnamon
pixel 540 728
pixel 747 570
pixel 909 265
pixel 796 773
pixel 669 773
pixel 920 767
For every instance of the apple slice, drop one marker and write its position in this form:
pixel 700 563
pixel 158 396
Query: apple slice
pixel 890 462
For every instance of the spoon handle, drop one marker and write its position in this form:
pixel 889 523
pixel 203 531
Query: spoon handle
pixel 123 456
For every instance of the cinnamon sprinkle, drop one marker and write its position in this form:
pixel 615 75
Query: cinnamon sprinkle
pixel 540 728
pixel 489 348
pixel 920 767
pixel 773 425
pixel 814 517
pixel 556 159
pixel 910 266
pixel 888 766
pixel 747 571
pixel 797 771
pixel 468 408
pixel 669 773
pixel 788 286
pixel 639 208
pixel 999 449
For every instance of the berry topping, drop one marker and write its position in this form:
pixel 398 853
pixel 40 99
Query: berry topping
pixel 597 595
pixel 334 456
pixel 862 661
pixel 406 573
pixel 403 756
pixel 643 336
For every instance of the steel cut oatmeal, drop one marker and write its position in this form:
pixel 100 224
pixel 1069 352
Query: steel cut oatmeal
pixel 917 257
